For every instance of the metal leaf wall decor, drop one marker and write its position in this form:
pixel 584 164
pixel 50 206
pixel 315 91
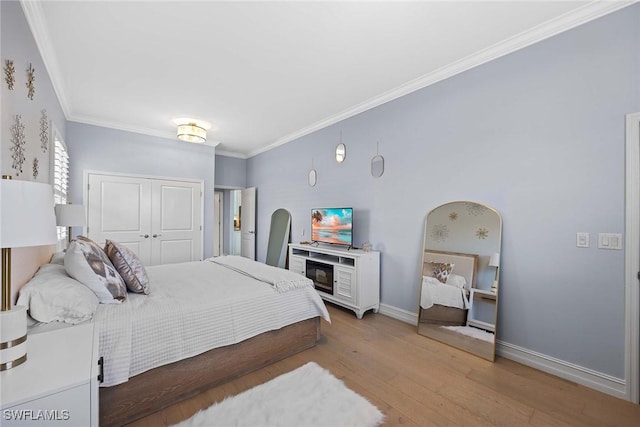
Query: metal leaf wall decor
pixel 35 168
pixel 44 131
pixel 31 78
pixel 9 73
pixel 17 144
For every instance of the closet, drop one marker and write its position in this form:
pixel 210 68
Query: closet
pixel 159 219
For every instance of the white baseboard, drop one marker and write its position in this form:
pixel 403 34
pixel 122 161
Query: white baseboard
pixel 398 313
pixel 560 368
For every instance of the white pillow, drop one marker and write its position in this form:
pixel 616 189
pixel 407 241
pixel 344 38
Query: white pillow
pixel 457 281
pixel 51 295
pixel 86 262
pixel 57 258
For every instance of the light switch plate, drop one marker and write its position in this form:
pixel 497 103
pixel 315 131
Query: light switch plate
pixel 610 241
pixel 582 239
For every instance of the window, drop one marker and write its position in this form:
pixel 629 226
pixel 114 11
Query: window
pixel 60 176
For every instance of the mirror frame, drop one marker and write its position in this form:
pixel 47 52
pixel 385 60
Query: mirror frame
pixel 278 243
pixel 313 178
pixel 440 322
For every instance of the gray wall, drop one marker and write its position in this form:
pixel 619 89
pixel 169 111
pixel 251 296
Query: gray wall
pixel 19 46
pixel 538 135
pixel 231 172
pixel 110 150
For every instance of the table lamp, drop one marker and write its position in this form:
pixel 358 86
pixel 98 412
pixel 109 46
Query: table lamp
pixel 70 216
pixel 26 219
pixel 494 261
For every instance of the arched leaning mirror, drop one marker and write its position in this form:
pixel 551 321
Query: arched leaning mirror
pixel 459 276
pixel 278 238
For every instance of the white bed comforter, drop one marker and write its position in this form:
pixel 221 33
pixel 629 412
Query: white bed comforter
pixel 194 307
pixel 435 292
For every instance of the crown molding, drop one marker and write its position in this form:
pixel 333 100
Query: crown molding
pixel 231 154
pixel 121 126
pixel 133 129
pixel 582 15
pixel 38 25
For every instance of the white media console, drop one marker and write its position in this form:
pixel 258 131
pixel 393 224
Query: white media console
pixel 347 277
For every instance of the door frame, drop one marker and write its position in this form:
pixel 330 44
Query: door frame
pixel 218 215
pixel 85 192
pixel 632 258
pixel 248 216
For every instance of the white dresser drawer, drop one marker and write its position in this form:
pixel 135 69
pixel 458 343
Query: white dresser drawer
pixel 66 408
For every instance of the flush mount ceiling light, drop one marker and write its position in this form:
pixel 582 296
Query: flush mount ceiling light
pixel 192 132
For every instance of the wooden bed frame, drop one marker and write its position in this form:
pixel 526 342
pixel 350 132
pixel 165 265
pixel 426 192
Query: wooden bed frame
pixel 158 388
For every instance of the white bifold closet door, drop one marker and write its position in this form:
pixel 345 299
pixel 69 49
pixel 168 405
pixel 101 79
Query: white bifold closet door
pixel 160 220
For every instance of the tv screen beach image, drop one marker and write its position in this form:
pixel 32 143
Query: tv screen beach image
pixel 332 225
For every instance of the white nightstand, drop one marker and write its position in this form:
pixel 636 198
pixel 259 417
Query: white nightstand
pixel 57 385
pixel 473 319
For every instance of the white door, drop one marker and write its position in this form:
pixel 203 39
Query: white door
pixel 160 220
pixel 217 220
pixel 176 221
pixel 248 223
pixel 118 209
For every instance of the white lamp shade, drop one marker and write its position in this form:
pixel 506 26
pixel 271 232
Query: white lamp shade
pixel 26 214
pixel 70 215
pixel 494 261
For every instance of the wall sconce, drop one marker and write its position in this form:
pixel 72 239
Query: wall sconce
pixel 70 216
pixel 192 132
pixel 27 219
pixel 494 261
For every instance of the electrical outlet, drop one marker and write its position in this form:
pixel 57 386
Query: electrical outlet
pixel 582 239
pixel 610 241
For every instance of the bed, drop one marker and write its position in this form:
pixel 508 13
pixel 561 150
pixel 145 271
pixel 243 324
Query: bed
pixel 202 324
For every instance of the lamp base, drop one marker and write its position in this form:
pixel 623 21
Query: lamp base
pixel 13 337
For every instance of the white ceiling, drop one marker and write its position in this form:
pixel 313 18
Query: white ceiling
pixel 265 73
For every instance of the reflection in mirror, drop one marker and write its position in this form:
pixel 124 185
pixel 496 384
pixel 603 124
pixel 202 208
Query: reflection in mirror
pixel 377 166
pixel 313 177
pixel 377 163
pixel 278 238
pixel 341 153
pixel 459 280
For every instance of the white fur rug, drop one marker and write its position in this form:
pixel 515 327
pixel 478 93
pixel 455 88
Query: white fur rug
pixel 473 332
pixel 307 396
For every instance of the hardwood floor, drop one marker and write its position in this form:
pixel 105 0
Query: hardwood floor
pixel 416 381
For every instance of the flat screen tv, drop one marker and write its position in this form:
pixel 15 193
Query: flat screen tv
pixel 332 225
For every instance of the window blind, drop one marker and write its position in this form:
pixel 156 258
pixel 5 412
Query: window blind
pixel 60 179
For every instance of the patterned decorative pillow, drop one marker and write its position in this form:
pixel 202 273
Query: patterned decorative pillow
pixel 86 262
pixel 129 266
pixel 439 270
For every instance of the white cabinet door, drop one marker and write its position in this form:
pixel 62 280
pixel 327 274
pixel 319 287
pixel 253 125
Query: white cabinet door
pixel 160 220
pixel 175 221
pixel 119 210
pixel 298 265
pixel 345 283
